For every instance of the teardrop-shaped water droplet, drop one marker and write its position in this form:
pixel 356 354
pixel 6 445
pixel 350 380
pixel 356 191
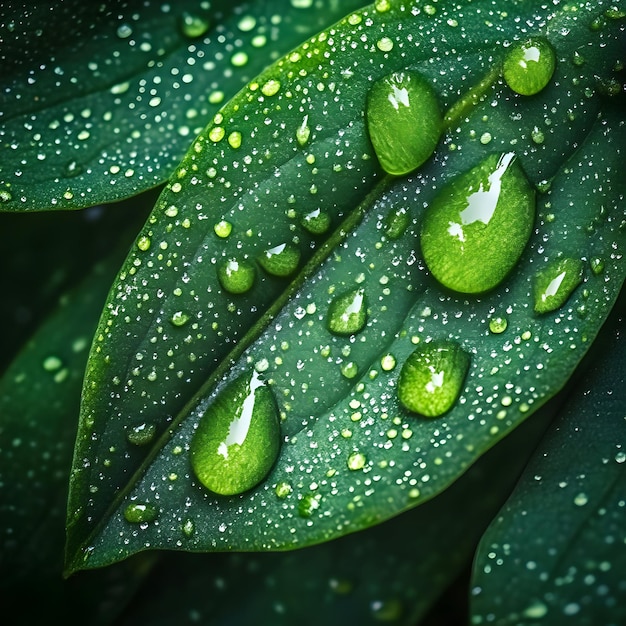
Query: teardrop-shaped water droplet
pixel 529 66
pixel 281 260
pixel 476 228
pixel 236 276
pixel 404 121
pixel 238 438
pixel 317 222
pixel 140 512
pixel 555 284
pixel 432 378
pixel 141 434
pixel 347 313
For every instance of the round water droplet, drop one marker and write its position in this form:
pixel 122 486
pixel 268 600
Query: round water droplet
pixel 309 503
pixel 432 377
pixel 5 195
pixel 498 324
pixel 223 229
pixel 283 489
pixel 236 276
pixel 404 121
pixel 597 265
pixel 143 243
pixel 140 512
pixel 476 228
pixel 386 610
pixel 180 318
pixel 316 222
pixel 141 434
pixel 193 25
pixel 529 66
pixel 356 461
pixel 281 260
pixel 555 284
pixel 238 438
pixel 347 313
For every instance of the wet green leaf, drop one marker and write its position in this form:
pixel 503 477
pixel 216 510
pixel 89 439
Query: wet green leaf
pixel 99 101
pixel 293 145
pixel 556 553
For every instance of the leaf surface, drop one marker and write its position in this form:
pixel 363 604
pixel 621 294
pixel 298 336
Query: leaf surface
pixel 101 100
pixel 351 455
pixel 556 552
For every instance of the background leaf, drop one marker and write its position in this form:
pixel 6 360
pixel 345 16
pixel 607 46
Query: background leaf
pixel 556 553
pixel 251 169
pixel 101 100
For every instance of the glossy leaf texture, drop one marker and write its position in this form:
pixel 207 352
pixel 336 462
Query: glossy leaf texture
pixel 101 100
pixel 292 150
pixel 392 573
pixel 39 401
pixel 556 552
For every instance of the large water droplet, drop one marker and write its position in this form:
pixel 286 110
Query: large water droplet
pixel 281 260
pixel 347 313
pixel 238 438
pixel 432 377
pixel 555 284
pixel 140 512
pixel 141 434
pixel 404 121
pixel 236 276
pixel 529 66
pixel 476 228
pixel 317 222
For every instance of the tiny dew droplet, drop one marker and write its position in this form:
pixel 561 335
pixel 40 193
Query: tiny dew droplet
pixel 477 227
pixel 396 223
pixel 317 222
pixel 347 313
pixel 498 324
pixel 555 284
pixel 238 437
pixel 140 512
pixel 404 121
pixel 432 377
pixel 529 66
pixel 141 434
pixel 236 276
pixel 281 260
pixel 180 318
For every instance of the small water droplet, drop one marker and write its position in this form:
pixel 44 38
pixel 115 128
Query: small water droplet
pixel 236 276
pixel 303 132
pixel 386 610
pixel 223 229
pixel 432 378
pixel 536 610
pixel 387 362
pixel 141 434
pixel 194 25
pixel 396 223
pixel 356 461
pixel 349 369
pixel 140 512
pixel 188 527
pixel 73 168
pixel 280 260
pixel 498 324
pixel 529 66
pixel 404 121
pixel 317 222
pixel 347 313
pixel 238 437
pixel 555 284
pixel 5 195
pixel 180 318
pixel 143 243
pixel 597 265
pixel 477 227
pixel 283 489
pixel 309 503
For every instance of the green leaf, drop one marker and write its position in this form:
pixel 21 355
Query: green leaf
pixel 351 455
pixel 100 101
pixel 390 573
pixel 39 401
pixel 556 553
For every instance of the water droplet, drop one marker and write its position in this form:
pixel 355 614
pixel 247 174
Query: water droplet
pixel 404 121
pixel 238 437
pixel 396 223
pixel 477 227
pixel 140 512
pixel 236 276
pixel 223 229
pixel 597 265
pixel 270 88
pixel 555 284
pixel 283 489
pixel 309 503
pixel 143 243
pixel 432 377
pixel 141 434
pixel 356 461
pixel 188 527
pixel 498 324
pixel 281 260
pixel 73 168
pixel 536 610
pixel 303 132
pixel 193 25
pixel 180 318
pixel 387 362
pixel 386 610
pixel 5 195
pixel 349 369
pixel 529 66
pixel 316 222
pixel 347 313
